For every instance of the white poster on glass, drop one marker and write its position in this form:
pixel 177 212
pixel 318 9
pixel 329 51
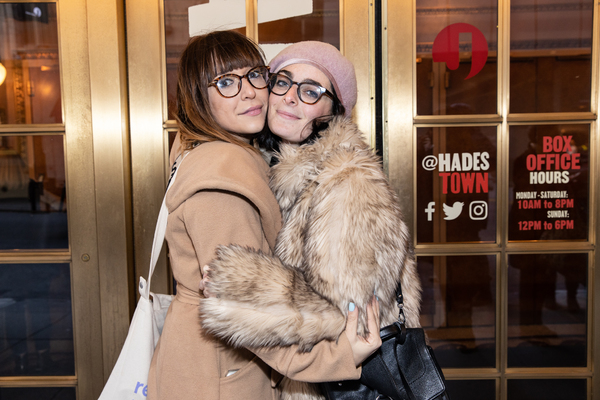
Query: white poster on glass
pixel 231 14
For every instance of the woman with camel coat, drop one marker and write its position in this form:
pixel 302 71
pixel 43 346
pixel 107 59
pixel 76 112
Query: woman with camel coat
pixel 221 196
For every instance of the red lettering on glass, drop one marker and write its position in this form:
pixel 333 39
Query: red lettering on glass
pixel 469 181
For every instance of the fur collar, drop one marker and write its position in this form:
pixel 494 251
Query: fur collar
pixel 298 166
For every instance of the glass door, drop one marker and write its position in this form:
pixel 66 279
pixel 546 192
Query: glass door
pixel 500 122
pixel 64 289
pixel 36 318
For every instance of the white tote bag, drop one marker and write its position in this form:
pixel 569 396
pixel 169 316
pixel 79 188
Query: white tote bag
pixel 129 378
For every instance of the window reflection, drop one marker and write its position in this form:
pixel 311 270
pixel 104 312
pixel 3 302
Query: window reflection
pixel 472 81
pixel 547 310
pixel 547 389
pixel 30 93
pixel 32 193
pixel 54 393
pixel 458 308
pixel 550 56
pixel 323 24
pixel 471 389
pixel 36 329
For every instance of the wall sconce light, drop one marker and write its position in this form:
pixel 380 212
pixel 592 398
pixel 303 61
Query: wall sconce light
pixel 2 74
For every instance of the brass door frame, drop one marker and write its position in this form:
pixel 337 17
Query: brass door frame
pixel 91 39
pixel 82 213
pixel 149 138
pixel 109 109
pixel 357 22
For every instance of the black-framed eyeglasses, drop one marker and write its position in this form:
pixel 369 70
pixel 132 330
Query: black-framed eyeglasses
pixel 308 92
pixel 229 85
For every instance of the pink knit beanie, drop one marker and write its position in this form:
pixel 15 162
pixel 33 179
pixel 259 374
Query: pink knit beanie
pixel 326 58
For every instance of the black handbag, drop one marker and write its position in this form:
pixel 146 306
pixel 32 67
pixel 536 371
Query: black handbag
pixel 404 368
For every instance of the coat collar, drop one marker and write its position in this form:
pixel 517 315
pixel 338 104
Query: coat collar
pixel 228 167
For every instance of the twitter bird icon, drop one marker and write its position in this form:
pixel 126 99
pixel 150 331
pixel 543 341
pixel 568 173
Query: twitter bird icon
pixel 454 211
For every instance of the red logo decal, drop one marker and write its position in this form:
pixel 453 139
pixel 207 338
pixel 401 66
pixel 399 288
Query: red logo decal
pixel 446 47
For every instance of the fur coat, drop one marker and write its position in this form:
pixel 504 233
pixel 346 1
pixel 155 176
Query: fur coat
pixel 343 239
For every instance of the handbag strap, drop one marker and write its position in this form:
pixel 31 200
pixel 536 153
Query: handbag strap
pixel 401 338
pixel 400 301
pixel 401 317
pixel 161 227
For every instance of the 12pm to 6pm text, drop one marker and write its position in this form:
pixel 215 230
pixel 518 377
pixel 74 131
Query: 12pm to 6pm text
pixel 556 209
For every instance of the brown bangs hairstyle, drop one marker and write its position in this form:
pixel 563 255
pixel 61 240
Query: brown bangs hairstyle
pixel 204 58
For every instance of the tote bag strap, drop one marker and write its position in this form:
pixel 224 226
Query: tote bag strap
pixel 161 227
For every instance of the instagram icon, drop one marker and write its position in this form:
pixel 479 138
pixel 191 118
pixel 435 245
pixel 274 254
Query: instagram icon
pixel 478 210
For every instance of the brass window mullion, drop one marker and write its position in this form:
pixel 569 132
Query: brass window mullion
pixel 27 257
pixel 35 381
pixel 31 129
pixel 502 318
pixel 252 19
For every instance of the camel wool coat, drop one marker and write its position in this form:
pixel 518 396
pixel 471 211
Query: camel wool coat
pixel 221 196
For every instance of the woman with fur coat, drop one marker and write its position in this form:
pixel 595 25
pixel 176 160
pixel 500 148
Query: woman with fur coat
pixel 343 237
pixel 221 196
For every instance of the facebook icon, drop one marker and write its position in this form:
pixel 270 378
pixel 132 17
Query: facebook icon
pixel 430 210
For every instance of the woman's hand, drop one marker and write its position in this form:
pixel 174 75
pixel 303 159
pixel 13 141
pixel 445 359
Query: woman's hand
pixel 205 282
pixel 362 348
